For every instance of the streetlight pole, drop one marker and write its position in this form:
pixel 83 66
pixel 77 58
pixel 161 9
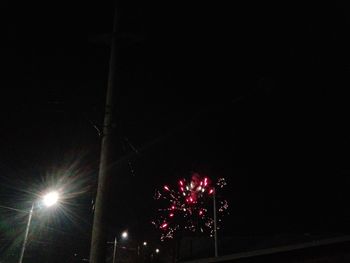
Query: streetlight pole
pixel 115 250
pixel 215 225
pixel 48 200
pixel 26 234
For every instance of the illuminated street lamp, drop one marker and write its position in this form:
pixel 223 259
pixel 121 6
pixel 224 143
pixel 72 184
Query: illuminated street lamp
pixel 157 250
pixel 47 200
pixel 124 236
pixel 50 199
pixel 145 243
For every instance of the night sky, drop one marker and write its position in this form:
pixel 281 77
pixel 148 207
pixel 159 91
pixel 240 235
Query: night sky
pixel 253 92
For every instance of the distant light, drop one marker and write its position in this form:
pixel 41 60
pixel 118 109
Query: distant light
pixel 50 199
pixel 125 234
pixel 157 250
pixel 145 243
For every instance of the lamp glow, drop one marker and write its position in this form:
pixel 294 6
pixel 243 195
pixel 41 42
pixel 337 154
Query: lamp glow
pixel 125 235
pixel 50 199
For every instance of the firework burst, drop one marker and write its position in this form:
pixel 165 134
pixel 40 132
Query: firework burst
pixel 188 206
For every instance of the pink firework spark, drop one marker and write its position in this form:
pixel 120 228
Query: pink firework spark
pixel 187 207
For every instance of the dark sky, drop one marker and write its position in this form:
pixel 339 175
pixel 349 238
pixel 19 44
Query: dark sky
pixel 254 92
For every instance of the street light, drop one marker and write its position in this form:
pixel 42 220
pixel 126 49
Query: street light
pixel 145 243
pixel 48 200
pixel 124 236
pixel 157 250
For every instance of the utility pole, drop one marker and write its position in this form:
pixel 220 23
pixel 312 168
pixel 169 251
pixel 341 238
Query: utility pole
pixel 99 229
pixel 215 225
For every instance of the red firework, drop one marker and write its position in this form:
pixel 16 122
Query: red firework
pixel 187 205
